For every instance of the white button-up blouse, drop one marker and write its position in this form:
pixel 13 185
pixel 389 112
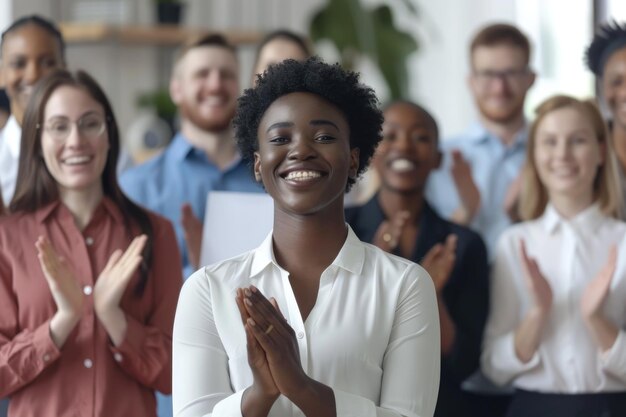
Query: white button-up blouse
pixel 372 336
pixel 569 253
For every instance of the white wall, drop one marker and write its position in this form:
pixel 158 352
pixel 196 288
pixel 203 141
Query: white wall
pixel 439 69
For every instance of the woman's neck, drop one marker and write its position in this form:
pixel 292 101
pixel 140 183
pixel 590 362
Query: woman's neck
pixel 82 204
pixel 309 242
pixel 392 202
pixel 569 205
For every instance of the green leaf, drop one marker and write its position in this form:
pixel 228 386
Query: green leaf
pixel 355 30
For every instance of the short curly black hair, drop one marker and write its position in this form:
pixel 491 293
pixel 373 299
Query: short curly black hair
pixel 340 87
pixel 608 39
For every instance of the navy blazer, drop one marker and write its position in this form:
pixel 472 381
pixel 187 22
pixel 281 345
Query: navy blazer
pixel 466 294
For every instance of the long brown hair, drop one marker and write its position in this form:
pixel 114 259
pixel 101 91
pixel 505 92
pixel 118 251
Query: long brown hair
pixel 606 190
pixel 35 186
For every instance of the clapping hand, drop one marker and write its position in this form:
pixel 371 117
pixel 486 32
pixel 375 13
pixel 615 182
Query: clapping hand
pixel 535 281
pixel 389 232
pixel 439 262
pixel 263 385
pixel 110 287
pixel 597 290
pixel 467 189
pixel 65 290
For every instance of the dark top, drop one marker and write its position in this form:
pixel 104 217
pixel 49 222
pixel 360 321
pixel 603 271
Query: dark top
pixel 466 294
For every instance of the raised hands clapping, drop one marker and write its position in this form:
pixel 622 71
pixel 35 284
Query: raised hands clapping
pixel 68 295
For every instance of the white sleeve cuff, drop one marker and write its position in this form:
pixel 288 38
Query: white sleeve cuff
pixel 614 359
pixel 504 365
pixel 350 405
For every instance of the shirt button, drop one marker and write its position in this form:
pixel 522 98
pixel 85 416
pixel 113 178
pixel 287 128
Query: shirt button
pixel 46 357
pixel 87 289
pixel 300 335
pixel 88 363
pixel 118 357
pixel 89 241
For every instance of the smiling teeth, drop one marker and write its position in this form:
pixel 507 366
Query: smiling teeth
pixel 77 160
pixel 302 175
pixel 402 165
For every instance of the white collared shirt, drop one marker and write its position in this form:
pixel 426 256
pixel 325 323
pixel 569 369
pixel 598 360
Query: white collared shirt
pixel 10 138
pixel 372 336
pixel 569 253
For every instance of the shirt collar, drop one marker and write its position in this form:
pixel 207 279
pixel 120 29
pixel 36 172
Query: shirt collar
pixel 477 133
pixel 351 256
pixel 181 148
pixel 586 221
pixel 12 134
pixel 56 208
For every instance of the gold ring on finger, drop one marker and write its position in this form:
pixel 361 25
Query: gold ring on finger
pixel 269 329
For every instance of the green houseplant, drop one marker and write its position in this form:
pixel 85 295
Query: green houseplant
pixel 358 31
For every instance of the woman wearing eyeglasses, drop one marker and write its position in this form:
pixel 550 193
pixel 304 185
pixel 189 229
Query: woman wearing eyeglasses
pixel 88 280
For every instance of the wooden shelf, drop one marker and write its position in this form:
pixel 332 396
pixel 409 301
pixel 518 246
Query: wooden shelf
pixel 171 35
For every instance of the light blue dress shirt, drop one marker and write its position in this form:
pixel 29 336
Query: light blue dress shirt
pixel 494 167
pixel 182 174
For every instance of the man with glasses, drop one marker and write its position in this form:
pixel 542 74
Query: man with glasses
pixel 478 180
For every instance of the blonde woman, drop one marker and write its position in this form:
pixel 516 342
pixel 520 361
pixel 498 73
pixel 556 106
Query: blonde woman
pixel 558 283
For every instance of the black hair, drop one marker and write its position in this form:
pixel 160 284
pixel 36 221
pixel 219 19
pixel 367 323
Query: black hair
pixel 330 82
pixel 429 117
pixel 41 22
pixel 608 39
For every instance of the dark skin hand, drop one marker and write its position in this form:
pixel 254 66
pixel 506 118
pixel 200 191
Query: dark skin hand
pixel 274 358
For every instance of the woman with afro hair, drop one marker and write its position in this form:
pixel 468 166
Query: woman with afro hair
pixel 606 58
pixel 313 322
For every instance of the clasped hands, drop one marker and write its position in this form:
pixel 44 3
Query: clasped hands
pixel 107 292
pixel 273 353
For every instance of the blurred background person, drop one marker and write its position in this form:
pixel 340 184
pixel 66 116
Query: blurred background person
pixel 399 220
pixel 478 180
pixel 606 58
pixel 277 46
pixel 30 48
pixel 202 156
pixel 556 323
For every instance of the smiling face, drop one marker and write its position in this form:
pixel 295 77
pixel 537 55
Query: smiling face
pixel 304 157
pixel 499 81
pixel 205 87
pixel 567 154
pixel 28 54
pixel 408 151
pixel 77 161
pixel 614 86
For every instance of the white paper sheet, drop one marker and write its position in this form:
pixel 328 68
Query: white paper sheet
pixel 234 223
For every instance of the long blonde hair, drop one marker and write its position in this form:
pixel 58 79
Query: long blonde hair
pixel 606 189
